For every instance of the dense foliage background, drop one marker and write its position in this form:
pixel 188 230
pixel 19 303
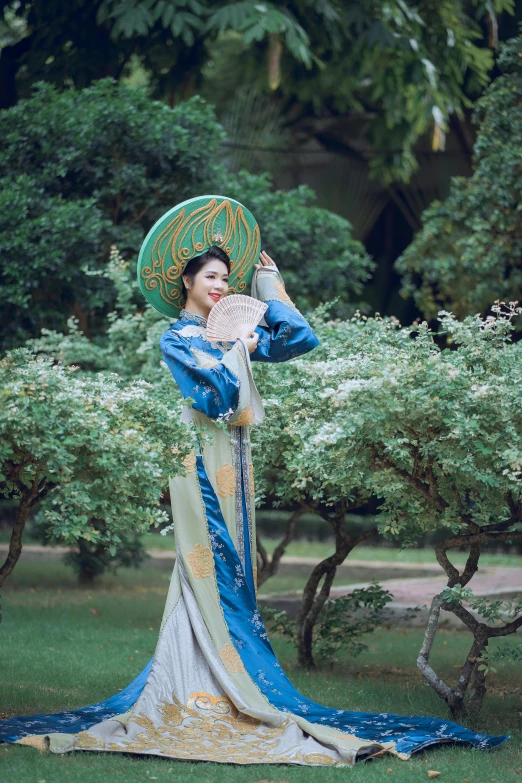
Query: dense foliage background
pixel 81 171
pixel 469 251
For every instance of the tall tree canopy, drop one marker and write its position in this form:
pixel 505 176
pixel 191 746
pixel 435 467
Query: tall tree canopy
pixel 404 67
pixel 469 251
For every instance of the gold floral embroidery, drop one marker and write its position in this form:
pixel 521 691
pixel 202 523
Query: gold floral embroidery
pixel 245 418
pixel 209 363
pixel 230 657
pixel 88 741
pixel 255 577
pixel 189 463
pixel 219 705
pixel 320 758
pixel 215 732
pixel 251 478
pixel 226 480
pixel 201 561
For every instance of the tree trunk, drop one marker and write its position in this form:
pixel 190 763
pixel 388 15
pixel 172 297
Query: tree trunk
pixel 455 697
pixel 312 604
pixel 15 543
pixel 269 566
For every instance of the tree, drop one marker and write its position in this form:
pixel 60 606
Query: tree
pixel 403 68
pixel 78 172
pixel 99 450
pixel 82 170
pixel 468 253
pixel 435 435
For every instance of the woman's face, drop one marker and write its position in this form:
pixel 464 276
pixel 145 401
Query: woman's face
pixel 208 287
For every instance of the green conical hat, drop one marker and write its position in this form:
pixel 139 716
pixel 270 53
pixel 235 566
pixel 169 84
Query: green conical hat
pixel 187 230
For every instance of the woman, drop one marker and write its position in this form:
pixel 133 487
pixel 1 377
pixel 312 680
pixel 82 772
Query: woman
pixel 214 689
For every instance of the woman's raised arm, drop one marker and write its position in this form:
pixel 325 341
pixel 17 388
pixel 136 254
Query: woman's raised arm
pixel 287 333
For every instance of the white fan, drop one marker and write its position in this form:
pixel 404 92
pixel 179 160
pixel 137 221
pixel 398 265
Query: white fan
pixel 232 315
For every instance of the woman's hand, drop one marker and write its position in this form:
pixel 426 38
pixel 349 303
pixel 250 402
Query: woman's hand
pixel 265 260
pixel 250 339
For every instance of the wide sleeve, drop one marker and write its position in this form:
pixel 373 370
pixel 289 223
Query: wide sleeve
pixel 219 392
pixel 287 334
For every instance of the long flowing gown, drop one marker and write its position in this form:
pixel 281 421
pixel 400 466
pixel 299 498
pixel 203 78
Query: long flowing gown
pixel 214 689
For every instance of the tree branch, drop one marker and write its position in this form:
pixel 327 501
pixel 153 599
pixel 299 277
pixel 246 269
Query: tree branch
pixel 269 566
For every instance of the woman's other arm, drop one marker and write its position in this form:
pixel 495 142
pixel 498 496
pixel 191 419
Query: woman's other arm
pixel 215 390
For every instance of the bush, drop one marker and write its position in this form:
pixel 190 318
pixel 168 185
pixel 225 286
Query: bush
pixel 100 451
pixel 342 623
pixel 79 171
pixel 435 435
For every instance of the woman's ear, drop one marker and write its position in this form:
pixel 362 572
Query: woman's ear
pixel 186 281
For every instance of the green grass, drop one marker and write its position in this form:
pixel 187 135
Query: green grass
pixel 320 549
pixel 56 652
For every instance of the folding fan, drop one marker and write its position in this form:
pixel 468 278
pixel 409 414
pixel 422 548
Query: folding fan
pixel 232 315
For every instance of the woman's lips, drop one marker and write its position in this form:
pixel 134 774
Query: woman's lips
pixel 215 296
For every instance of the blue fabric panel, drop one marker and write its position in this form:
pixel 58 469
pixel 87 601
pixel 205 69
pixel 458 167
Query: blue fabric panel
pixel 73 721
pixel 288 335
pixel 215 390
pixel 248 633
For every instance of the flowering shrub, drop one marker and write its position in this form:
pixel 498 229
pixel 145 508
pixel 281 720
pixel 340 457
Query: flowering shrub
pixel 436 435
pixel 99 448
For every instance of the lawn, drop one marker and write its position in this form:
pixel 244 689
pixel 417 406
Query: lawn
pixel 65 646
pixel 320 549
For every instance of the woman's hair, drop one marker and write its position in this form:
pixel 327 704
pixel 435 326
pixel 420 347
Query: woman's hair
pixel 198 262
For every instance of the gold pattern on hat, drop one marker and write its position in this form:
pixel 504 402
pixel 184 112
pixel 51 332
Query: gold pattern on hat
pixel 176 245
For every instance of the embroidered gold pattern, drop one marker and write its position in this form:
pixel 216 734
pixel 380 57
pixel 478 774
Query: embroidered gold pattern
pixel 211 728
pixel 245 418
pixel 255 577
pixel 251 478
pixel 319 758
pixel 88 741
pixel 220 705
pixel 226 480
pixel 230 657
pixel 177 243
pixel 189 463
pixel 201 561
